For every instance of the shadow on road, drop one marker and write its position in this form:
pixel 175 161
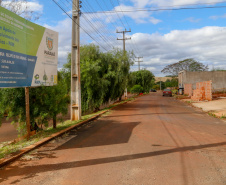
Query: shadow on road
pixel 103 132
pixel 31 171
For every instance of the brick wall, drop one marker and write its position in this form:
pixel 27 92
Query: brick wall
pixel 203 91
pixel 188 89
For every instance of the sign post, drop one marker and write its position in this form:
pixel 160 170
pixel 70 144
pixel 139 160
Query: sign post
pixel 28 55
pixel 27 112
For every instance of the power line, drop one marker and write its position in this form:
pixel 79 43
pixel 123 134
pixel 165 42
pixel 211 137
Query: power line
pixel 195 4
pixel 118 15
pixel 92 28
pixel 96 29
pixel 100 22
pixel 156 10
pixel 119 18
pixel 123 14
pixel 134 45
pixel 77 24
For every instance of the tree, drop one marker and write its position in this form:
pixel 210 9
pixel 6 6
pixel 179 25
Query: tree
pixel 218 69
pixel 103 75
pixel 142 78
pixel 45 104
pixel 137 89
pixel 48 102
pixel 21 8
pixel 171 83
pixel 187 64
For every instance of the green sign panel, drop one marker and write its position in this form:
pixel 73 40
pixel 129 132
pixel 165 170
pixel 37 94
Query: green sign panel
pixel 28 52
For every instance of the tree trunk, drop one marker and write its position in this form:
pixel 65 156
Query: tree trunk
pixel 54 121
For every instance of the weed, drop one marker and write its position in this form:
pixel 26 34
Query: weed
pixel 189 102
pixel 223 117
pixel 212 114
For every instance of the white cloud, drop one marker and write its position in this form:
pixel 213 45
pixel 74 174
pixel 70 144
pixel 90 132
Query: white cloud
pixel 206 45
pixel 215 17
pixel 154 20
pixel 64 28
pixel 192 19
pixel 30 10
pixel 138 17
pixel 31 5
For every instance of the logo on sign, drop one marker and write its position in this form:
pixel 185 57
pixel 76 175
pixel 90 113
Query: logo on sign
pixel 49 43
pixel 36 79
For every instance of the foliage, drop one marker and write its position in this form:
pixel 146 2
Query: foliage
pixel 171 83
pixel 218 69
pixel 187 64
pixel 21 8
pixel 48 102
pixel 103 78
pixel 157 87
pixel 103 75
pixel 136 89
pixel 142 78
pixel 45 103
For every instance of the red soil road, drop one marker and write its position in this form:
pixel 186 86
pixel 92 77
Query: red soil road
pixel 154 140
pixel 7 131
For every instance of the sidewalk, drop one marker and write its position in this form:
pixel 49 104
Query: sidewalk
pixel 216 107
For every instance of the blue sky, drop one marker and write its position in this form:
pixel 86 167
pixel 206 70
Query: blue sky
pixel 161 37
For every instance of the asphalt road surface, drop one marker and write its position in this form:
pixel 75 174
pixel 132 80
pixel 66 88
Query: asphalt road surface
pixel 154 140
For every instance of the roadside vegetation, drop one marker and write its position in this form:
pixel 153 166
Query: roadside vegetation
pixel 7 148
pixel 104 77
pixel 140 81
pixel 168 83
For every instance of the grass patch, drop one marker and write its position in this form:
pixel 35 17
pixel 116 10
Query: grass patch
pixel 10 149
pixel 212 114
pixel 223 117
pixel 188 102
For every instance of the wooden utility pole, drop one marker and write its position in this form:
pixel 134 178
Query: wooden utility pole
pixel 139 62
pixel 75 63
pixel 27 112
pixel 124 48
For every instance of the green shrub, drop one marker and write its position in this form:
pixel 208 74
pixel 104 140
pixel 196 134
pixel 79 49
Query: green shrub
pixel 136 89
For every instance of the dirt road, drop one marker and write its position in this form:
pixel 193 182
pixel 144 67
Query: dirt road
pixel 154 140
pixel 7 131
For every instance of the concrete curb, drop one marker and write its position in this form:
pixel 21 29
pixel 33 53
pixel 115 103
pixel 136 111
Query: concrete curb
pixel 6 161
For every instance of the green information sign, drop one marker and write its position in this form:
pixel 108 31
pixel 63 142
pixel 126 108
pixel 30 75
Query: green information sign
pixel 28 52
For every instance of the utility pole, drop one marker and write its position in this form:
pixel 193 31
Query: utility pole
pixel 139 62
pixel 124 39
pixel 75 63
pixel 124 48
